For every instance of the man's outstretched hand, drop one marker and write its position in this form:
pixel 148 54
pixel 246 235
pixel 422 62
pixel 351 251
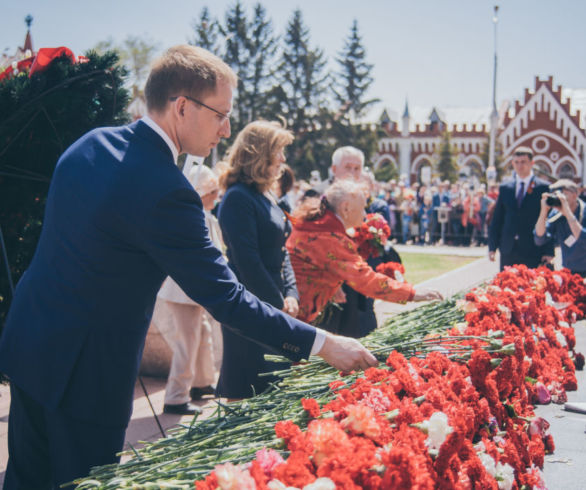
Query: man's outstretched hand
pixel 346 354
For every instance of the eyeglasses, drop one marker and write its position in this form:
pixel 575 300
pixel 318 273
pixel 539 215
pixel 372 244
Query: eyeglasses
pixel 221 114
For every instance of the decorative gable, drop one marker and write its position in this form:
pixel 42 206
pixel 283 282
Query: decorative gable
pixel 544 123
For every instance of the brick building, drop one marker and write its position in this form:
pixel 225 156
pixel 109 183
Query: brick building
pixel 549 120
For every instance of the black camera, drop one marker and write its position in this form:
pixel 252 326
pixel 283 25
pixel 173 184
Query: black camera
pixel 553 201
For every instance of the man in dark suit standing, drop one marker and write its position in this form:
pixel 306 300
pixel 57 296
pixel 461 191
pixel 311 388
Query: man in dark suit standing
pixel 515 214
pixel 120 217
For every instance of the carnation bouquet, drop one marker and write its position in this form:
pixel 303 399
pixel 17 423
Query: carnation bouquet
pixel 370 237
pixel 394 270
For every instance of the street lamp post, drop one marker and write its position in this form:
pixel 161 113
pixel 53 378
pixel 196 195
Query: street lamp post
pixel 494 115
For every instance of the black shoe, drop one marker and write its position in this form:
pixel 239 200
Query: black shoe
pixel 182 409
pixel 199 393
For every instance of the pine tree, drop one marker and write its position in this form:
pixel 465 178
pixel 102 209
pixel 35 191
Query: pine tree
pixel 262 49
pixel 237 55
pixel 207 31
pixel 301 95
pixel 301 75
pixel 354 77
pixel 446 166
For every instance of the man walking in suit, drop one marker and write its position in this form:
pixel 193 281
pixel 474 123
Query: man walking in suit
pixel 515 214
pixel 120 217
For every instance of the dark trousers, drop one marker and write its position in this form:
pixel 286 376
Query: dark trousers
pixel 48 447
pixel 355 318
pixel 518 256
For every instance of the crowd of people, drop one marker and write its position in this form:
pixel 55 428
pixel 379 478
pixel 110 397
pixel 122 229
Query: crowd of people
pixel 444 212
pixel 450 213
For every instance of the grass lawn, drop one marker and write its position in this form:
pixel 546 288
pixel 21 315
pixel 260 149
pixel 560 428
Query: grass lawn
pixel 420 267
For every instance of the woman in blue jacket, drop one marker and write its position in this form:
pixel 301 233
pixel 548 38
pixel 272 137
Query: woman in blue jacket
pixel 255 230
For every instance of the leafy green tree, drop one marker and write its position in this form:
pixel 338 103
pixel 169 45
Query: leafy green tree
pixel 207 32
pixel 447 167
pixel 136 54
pixel 354 77
pixel 40 117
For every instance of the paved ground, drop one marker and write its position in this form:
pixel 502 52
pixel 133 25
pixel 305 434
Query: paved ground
pixel 564 469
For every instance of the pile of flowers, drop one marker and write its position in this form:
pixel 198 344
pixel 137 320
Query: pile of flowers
pixel 457 416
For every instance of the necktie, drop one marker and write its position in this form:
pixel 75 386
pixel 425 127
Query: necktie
pixel 521 194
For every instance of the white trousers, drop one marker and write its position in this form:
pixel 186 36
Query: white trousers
pixel 195 339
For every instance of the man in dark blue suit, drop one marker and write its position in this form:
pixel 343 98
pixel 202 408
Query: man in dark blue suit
pixel 515 214
pixel 120 217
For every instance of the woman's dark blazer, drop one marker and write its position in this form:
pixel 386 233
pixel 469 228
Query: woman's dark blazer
pixel 255 230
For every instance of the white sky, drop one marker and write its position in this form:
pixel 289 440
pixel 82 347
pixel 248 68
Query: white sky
pixel 435 52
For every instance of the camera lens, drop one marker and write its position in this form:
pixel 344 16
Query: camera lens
pixel 553 201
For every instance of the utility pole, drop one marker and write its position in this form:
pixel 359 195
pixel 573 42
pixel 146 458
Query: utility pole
pixel 494 117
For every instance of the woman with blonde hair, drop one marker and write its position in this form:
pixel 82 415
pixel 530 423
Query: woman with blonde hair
pixel 255 230
pixel 324 256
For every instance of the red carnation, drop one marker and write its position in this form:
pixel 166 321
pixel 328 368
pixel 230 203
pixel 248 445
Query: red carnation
pixel 311 407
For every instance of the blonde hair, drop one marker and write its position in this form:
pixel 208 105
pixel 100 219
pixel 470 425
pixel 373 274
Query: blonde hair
pixel 185 70
pixel 252 153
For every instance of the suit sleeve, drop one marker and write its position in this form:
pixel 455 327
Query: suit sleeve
pixel 343 261
pixel 290 282
pixel 174 235
pixel 239 229
pixel 496 224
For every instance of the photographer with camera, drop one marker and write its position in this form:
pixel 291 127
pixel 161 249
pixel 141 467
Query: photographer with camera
pixel 563 220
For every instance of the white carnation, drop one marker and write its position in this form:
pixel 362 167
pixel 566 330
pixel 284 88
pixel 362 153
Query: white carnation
pixel 505 476
pixel 321 484
pixel 277 485
pixel 561 339
pixel 437 430
pixel 488 463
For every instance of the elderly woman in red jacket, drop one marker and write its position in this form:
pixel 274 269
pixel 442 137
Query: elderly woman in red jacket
pixel 324 256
